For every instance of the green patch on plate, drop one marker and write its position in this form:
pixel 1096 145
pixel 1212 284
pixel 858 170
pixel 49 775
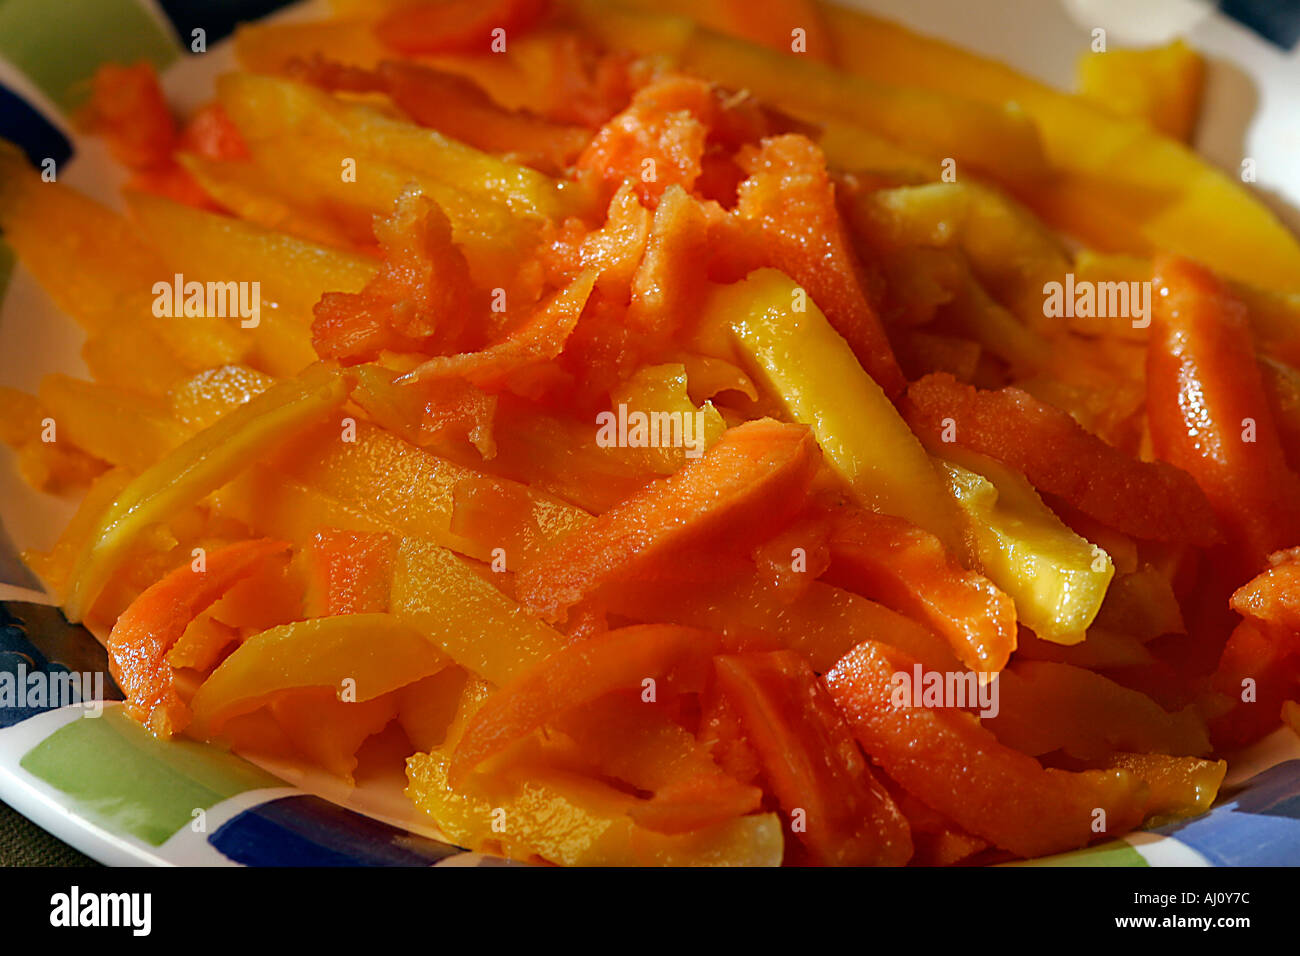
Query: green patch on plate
pixel 118 775
pixel 1111 853
pixel 59 45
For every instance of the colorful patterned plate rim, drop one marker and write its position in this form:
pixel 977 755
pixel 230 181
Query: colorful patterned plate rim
pixel 92 777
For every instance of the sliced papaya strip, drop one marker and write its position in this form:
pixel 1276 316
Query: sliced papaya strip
pixel 146 631
pixel 1209 415
pixel 756 474
pixel 358 656
pixel 812 763
pixel 197 467
pixel 575 675
pixel 959 768
pixel 1150 500
pixel 908 569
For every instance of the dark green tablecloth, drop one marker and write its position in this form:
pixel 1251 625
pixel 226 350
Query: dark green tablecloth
pixel 23 843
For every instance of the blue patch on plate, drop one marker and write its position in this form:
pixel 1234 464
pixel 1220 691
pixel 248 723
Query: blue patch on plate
pixel 1259 826
pixel 30 675
pixel 217 18
pixel 309 831
pixel 23 125
pixel 1277 21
